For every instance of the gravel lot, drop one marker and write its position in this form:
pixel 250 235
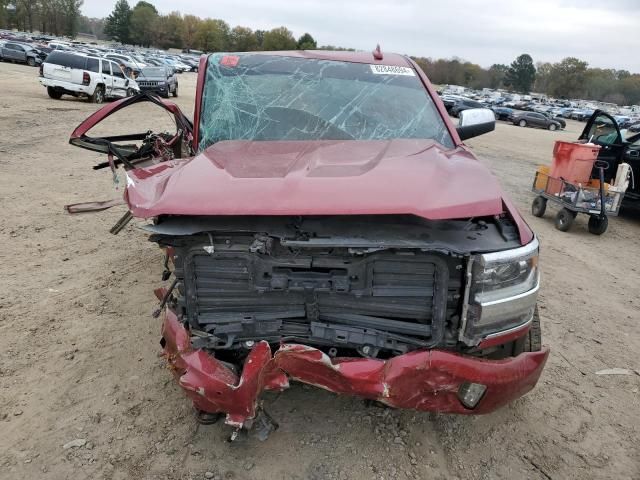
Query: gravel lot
pixel 79 349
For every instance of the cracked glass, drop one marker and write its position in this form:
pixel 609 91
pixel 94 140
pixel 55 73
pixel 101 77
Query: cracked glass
pixel 267 97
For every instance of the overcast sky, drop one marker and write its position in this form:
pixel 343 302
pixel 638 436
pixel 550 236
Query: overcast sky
pixel 604 33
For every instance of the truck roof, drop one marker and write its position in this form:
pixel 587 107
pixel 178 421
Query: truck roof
pixel 393 59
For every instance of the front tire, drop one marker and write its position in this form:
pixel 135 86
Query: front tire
pixel 564 219
pixel 552 127
pixel 53 93
pixel 539 206
pixel 533 341
pixel 522 123
pixel 31 62
pixel 598 225
pixel 98 95
pixel 175 91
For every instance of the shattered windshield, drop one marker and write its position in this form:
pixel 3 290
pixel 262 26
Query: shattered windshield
pixel 268 97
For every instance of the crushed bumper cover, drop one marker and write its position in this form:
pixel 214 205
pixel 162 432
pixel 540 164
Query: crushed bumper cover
pixel 422 380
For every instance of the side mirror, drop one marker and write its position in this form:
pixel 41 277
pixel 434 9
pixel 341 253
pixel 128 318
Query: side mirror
pixel 475 121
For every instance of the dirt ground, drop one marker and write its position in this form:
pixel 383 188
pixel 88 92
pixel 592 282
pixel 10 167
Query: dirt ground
pixel 79 348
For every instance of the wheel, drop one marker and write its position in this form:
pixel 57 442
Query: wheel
pixel 130 92
pixel 98 95
pixel 175 91
pixel 522 123
pixel 533 341
pixel 564 219
pixel 598 225
pixel 31 62
pixel 552 126
pixel 53 93
pixel 539 206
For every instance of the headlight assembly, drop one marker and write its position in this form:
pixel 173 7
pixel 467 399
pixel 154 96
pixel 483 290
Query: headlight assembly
pixel 503 290
pixel 505 274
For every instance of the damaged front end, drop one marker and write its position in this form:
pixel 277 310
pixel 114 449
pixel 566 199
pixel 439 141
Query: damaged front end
pixel 392 269
pixel 366 306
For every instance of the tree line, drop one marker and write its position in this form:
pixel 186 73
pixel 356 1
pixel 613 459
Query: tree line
pixel 143 25
pixel 57 17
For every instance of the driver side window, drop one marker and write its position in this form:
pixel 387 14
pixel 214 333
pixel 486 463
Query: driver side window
pixel 117 71
pixel 603 131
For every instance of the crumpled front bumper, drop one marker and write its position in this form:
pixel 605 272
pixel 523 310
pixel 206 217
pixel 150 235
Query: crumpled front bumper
pixel 422 380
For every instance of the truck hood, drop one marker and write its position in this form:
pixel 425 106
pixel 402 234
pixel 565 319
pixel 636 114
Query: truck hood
pixel 326 177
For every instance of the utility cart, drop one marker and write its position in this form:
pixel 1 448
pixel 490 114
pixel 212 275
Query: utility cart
pixel 595 198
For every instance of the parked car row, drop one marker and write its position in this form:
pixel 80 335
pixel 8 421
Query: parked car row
pixel 456 104
pixel 98 78
pixel 558 109
pixel 32 50
pixel 133 61
pixel 529 119
pixel 97 72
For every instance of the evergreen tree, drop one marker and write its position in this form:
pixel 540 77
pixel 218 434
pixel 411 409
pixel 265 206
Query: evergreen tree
pixel 307 42
pixel 521 74
pixel 116 26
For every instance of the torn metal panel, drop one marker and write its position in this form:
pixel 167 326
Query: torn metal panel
pixel 136 149
pixel 80 138
pixel 85 207
pixel 423 380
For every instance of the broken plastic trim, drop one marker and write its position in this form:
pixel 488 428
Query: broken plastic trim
pixel 79 137
pixel 86 207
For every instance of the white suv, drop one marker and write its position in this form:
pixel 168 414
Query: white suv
pixel 65 73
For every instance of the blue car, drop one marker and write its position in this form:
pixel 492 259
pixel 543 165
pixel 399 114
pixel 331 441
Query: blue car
pixel 502 113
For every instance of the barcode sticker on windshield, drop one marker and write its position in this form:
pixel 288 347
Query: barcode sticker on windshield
pixel 392 70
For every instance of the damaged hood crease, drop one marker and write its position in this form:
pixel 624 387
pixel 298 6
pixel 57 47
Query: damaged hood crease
pixel 318 178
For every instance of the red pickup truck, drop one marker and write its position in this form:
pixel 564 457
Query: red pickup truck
pixel 322 221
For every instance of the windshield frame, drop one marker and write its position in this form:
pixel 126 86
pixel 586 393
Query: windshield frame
pixel 449 138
